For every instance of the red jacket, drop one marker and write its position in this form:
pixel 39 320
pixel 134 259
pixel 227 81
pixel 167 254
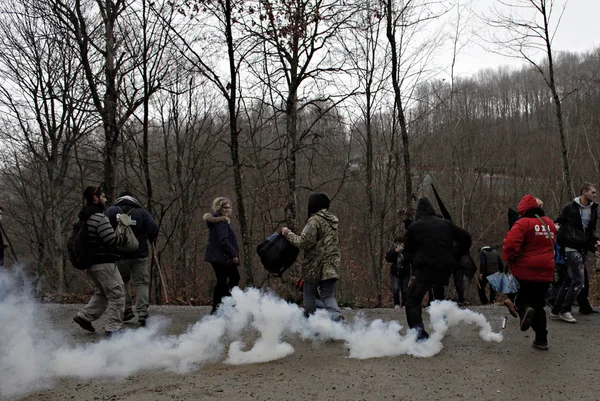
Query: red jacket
pixel 527 247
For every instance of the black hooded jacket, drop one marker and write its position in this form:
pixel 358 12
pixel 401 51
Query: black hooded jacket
pixel 317 201
pixel 144 226
pixel 429 239
pixel 571 232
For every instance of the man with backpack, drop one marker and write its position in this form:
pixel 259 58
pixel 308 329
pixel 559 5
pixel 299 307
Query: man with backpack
pixel 99 242
pixel 490 262
pixel 134 265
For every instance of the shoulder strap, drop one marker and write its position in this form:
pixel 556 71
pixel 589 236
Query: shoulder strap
pixel 547 227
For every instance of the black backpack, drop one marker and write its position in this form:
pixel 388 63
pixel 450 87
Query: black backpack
pixel 277 254
pixel 78 246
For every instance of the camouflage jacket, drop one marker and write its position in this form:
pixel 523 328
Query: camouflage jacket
pixel 321 245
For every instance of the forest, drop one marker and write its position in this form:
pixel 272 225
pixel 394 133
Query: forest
pixel 266 101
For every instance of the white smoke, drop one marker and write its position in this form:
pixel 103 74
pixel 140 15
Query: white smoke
pixel 31 357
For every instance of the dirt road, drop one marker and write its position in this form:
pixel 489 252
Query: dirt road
pixel 466 369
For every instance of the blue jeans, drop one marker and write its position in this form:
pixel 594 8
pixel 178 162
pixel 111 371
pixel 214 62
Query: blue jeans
pixel 575 264
pixel 327 296
pixel 399 286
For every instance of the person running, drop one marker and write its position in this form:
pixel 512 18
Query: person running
pixel 102 241
pixel 429 244
pixel 528 250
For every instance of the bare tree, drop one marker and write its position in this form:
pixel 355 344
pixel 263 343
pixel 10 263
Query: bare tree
pixel 45 116
pixel 296 37
pixel 98 27
pixel 526 37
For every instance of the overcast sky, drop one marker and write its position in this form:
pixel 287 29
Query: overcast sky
pixel 579 30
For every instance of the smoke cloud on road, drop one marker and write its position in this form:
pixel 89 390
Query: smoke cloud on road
pixel 31 357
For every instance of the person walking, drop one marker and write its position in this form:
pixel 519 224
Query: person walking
pixel 321 244
pixel 490 262
pixel 102 242
pixel 528 250
pixel 429 244
pixel 577 235
pixel 399 272
pixel 222 251
pixel 133 266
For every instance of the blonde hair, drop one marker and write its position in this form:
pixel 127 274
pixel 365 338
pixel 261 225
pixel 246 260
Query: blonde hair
pixel 219 202
pixel 539 202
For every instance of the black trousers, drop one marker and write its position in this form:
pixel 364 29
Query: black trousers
pixel 227 278
pixel 426 278
pixel 482 295
pixel 533 294
pixel 583 297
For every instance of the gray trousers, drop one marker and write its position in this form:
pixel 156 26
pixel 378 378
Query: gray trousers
pixel 109 296
pixel 136 270
pixel 327 296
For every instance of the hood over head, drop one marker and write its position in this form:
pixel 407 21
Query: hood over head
pixel 317 201
pixel 527 203
pixel 128 200
pixel 424 209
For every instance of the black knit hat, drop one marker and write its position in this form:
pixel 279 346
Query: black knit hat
pixel 316 202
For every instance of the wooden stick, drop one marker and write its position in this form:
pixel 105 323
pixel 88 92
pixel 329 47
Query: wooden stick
pixel 162 279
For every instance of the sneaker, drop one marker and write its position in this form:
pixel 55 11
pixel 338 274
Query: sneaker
pixel 128 314
pixel 84 324
pixel 541 346
pixel 526 319
pixel 511 308
pixel 142 321
pixel 587 311
pixel 396 306
pixel 567 317
pixel 554 316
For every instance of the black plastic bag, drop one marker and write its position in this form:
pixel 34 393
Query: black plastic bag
pixel 277 254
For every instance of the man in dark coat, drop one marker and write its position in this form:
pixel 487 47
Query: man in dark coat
pixel 577 235
pixel 399 272
pixel 429 241
pixel 134 265
pixel 490 262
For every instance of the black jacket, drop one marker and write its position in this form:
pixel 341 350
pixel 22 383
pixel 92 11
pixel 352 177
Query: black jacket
pixel 429 239
pixel 392 257
pixel 571 233
pixel 222 243
pixel 144 226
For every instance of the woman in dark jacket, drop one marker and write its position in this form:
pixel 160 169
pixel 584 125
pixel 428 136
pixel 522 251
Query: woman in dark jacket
pixel 529 252
pixel 222 251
